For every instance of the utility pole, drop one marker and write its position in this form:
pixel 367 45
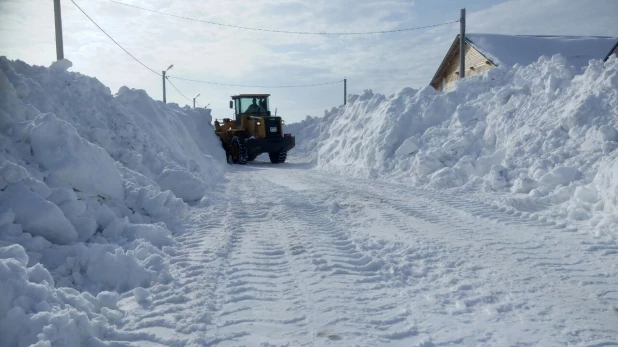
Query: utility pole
pixel 345 91
pixel 163 74
pixel 194 100
pixel 462 44
pixel 58 20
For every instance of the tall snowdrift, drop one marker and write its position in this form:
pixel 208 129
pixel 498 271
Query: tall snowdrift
pixel 307 133
pixel 91 191
pixel 543 133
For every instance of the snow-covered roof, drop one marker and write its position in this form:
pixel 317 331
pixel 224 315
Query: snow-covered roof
pixel 614 49
pixel 526 49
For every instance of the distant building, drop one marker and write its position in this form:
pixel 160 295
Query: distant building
pixel 614 51
pixel 485 51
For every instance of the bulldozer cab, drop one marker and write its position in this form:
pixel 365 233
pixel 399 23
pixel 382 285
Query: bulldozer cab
pixel 255 104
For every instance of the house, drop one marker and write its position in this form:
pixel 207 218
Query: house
pixel 485 51
pixel 614 51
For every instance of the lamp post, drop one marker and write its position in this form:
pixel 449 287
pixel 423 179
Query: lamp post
pixel 163 74
pixel 194 100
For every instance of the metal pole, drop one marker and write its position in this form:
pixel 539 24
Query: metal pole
pixel 462 44
pixel 163 74
pixel 58 19
pixel 345 91
pixel 195 98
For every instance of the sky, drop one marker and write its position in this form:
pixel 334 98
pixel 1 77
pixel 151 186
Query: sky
pixel 383 63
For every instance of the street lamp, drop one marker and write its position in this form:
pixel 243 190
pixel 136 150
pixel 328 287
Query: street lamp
pixel 163 74
pixel 194 100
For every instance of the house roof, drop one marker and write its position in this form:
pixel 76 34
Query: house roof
pixel 525 49
pixel 611 51
pixel 509 50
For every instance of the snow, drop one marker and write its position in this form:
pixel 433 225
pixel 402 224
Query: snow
pixel 485 216
pixel 535 134
pixel 524 50
pixel 72 160
pixel 48 221
pixel 91 190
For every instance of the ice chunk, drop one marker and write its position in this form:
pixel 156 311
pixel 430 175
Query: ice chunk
pixel 37 216
pixel 182 183
pixel 16 252
pixel 73 160
pixel 141 294
pixel 7 217
pixel 524 185
pixel 105 216
pixel 116 228
pixel 409 146
pixel 157 234
pixel 561 176
pixel 427 164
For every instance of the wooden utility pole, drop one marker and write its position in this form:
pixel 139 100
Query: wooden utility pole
pixel 462 44
pixel 58 20
pixel 345 91
pixel 163 74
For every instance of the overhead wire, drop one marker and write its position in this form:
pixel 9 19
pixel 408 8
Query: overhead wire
pixel 255 86
pixel 111 38
pixel 285 31
pixel 189 79
pixel 179 92
pixel 234 26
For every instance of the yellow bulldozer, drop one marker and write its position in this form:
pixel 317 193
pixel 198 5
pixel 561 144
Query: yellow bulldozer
pixel 253 131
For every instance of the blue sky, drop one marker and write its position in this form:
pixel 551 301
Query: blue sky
pixel 383 63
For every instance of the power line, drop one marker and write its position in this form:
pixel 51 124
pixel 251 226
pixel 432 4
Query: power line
pixel 117 44
pixel 193 80
pixel 255 86
pixel 179 92
pixel 285 31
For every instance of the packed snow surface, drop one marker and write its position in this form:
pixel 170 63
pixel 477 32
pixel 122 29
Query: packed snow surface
pixel 526 49
pixel 485 217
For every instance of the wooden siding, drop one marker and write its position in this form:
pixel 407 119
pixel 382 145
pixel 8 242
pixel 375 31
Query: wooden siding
pixel 476 64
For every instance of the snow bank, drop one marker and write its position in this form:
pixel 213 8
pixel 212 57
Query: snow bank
pixel 546 132
pixel 91 190
pixel 307 133
pixel 34 312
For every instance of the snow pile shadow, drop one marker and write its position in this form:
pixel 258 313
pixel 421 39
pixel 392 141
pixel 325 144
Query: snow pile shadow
pixel 545 134
pixel 91 191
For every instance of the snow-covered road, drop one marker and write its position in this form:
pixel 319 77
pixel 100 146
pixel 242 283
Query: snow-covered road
pixel 298 257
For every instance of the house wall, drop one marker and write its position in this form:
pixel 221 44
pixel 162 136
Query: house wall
pixel 476 64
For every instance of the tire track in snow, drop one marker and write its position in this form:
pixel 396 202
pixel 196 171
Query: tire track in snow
pixel 178 313
pixel 351 288
pixel 257 299
pixel 549 272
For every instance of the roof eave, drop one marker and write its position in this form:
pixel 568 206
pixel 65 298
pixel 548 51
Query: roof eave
pixel 445 61
pixel 611 51
pixel 453 50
